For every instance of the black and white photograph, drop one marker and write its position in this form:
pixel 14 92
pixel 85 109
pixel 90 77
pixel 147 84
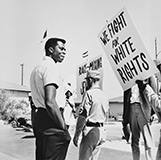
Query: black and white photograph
pixel 80 80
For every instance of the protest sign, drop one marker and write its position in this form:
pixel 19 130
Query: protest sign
pixel 93 64
pixel 125 51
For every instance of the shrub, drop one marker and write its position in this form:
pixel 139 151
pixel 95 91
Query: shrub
pixel 12 109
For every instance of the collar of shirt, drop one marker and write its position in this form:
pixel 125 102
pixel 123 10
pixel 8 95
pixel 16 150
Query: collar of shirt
pixel 135 95
pixel 48 58
pixel 95 86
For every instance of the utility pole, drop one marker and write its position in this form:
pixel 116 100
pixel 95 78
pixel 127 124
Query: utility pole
pixel 156 51
pixel 156 54
pixel 22 67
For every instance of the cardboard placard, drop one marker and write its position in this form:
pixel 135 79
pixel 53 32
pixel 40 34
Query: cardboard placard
pixel 125 51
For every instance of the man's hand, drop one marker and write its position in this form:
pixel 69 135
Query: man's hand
pixel 75 140
pixel 126 131
pixel 81 121
pixel 141 84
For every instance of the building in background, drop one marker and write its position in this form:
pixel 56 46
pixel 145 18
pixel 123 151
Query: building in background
pixel 116 108
pixel 13 91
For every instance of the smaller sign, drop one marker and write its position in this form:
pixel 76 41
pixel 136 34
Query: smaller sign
pixel 93 64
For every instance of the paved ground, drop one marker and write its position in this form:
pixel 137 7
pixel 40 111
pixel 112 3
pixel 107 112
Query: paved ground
pixel 16 144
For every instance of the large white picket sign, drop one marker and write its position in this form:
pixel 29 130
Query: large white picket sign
pixel 125 50
pixel 94 64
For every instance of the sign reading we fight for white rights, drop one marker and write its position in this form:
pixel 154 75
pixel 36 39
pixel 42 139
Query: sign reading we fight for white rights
pixel 125 50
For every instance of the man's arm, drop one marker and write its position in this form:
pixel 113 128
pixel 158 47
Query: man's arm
pixel 71 105
pixel 153 98
pixel 126 113
pixel 150 95
pixel 81 121
pixel 153 83
pixel 52 106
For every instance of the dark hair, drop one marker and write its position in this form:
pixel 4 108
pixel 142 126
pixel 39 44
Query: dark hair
pixel 91 79
pixel 159 67
pixel 52 42
pixel 66 93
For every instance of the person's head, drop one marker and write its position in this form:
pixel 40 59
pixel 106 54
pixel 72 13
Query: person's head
pixel 68 93
pixel 158 64
pixel 29 97
pixel 55 48
pixel 92 77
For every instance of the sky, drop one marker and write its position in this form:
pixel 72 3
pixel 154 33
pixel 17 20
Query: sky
pixel 23 23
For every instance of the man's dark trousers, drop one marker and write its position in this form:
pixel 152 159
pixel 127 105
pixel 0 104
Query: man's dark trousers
pixel 51 142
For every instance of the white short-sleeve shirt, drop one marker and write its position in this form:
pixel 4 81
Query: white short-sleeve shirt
pixel 135 95
pixel 46 73
pixel 96 104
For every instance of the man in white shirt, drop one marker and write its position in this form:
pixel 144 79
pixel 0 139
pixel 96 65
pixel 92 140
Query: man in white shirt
pixel 52 136
pixel 137 113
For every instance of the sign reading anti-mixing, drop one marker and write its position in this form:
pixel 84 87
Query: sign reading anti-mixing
pixel 125 50
pixel 93 64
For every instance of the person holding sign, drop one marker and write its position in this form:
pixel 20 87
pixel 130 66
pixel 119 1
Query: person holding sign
pixel 155 102
pixel 93 114
pixel 158 113
pixel 138 101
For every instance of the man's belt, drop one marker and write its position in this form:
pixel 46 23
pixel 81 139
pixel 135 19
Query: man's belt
pixel 40 109
pixel 94 124
pixel 135 103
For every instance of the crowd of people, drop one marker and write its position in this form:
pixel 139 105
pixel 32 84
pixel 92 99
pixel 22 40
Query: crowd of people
pixel 52 117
